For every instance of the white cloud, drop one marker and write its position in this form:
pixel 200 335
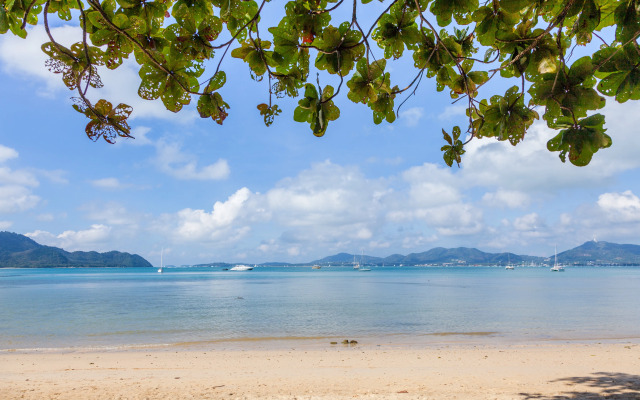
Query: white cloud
pixel 17 177
pixel 507 198
pixel 531 168
pixel 173 161
pixel 140 134
pixel 5 225
pixel 431 185
pixel 7 153
pixel 620 207
pixel 613 217
pixel 222 223
pixel 413 241
pixel 89 239
pixel 53 175
pixel 46 217
pixel 622 121
pixel 94 234
pixel 434 198
pixel 412 116
pixel 529 223
pixel 566 220
pixel 452 111
pixel 527 167
pixel 326 203
pixel 112 214
pixel 16 198
pixel 15 185
pixel 25 58
pixel 109 183
pixel 376 244
pixel 454 219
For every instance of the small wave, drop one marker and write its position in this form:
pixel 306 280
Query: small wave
pixel 462 334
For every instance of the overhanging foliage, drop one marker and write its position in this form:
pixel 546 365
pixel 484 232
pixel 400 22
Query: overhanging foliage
pixel 181 46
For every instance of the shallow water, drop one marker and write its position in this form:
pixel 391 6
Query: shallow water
pixel 80 308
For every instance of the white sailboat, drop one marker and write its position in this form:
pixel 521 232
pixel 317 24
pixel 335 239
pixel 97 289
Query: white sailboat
pixel 356 265
pixel 556 267
pixel 161 264
pixel 509 265
pixel 362 266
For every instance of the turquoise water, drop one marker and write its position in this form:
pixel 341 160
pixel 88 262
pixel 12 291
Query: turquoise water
pixel 63 308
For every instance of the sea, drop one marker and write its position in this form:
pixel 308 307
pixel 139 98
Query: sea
pixel 119 308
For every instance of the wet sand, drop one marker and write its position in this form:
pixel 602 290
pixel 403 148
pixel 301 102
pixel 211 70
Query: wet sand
pixel 545 370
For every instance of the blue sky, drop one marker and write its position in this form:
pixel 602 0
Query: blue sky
pixel 243 192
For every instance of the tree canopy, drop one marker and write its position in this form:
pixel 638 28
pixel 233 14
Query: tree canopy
pixel 321 49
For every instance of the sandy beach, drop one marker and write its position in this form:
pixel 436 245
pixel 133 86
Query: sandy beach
pixel 545 370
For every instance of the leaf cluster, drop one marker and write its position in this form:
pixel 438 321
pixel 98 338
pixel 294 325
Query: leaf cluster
pixel 180 48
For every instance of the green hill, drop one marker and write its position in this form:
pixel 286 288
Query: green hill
pixel 438 255
pixel 593 252
pixel 597 253
pixel 19 251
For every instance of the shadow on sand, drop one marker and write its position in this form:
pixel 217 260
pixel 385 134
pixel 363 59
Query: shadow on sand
pixel 606 385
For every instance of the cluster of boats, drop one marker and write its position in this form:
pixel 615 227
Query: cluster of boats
pixel 356 265
pixel 556 267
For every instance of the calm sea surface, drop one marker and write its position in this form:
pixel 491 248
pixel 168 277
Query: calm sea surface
pixel 86 308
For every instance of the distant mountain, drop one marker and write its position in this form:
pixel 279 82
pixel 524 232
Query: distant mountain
pixel 438 255
pixel 593 252
pixel 599 253
pixel 19 251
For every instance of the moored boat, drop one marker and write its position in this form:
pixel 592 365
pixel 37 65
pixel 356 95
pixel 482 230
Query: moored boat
pixel 241 267
pixel 557 267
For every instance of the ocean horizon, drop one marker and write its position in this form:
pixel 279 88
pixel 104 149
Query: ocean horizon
pixel 99 308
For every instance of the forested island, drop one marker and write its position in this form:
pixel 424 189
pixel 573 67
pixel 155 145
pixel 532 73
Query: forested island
pixel 19 251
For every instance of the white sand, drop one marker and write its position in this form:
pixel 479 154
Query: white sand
pixel 537 371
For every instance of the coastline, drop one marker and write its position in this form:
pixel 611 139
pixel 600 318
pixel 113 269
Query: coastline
pixel 310 369
pixel 386 341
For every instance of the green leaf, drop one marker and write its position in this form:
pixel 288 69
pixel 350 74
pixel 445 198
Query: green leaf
pixel 455 149
pixel 506 118
pixel 286 42
pixel 254 54
pixel 217 81
pixel 567 94
pixel 447 137
pixel 397 29
pixel 152 82
pixel 269 113
pixel 619 72
pixel 581 141
pixel 627 20
pixel 341 48
pixel 212 105
pixel 318 112
pixel 105 121
pixel 368 82
pixel 587 22
pixel 514 6
pixel 459 9
pixel 4 20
